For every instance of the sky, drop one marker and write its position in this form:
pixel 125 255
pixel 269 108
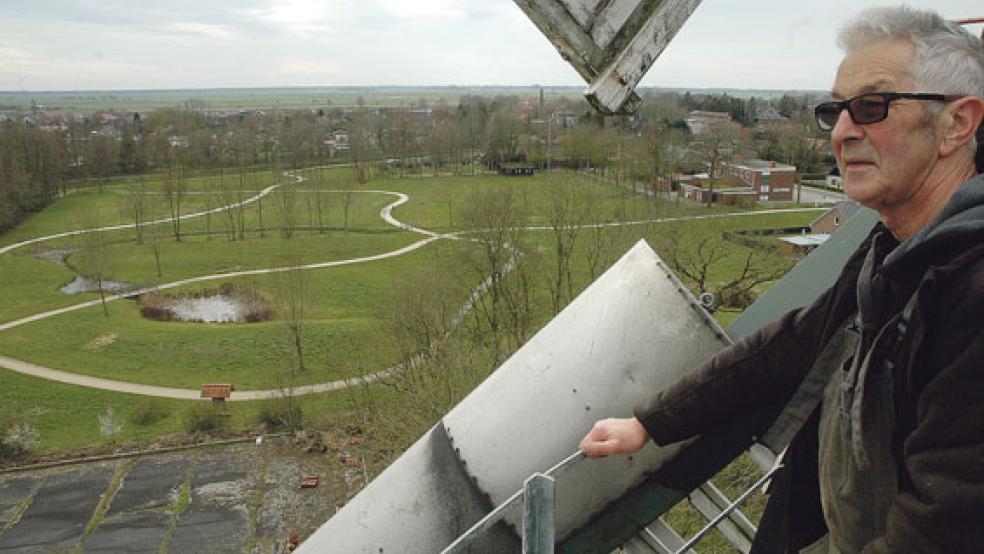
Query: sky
pixel 151 44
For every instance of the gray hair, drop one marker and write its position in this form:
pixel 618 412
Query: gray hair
pixel 948 59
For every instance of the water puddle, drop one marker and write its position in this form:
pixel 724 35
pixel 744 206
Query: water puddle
pixel 225 304
pixel 57 256
pixel 84 284
pixel 210 309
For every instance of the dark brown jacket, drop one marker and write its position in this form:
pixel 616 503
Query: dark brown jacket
pixel 938 371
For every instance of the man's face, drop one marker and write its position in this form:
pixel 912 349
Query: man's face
pixel 883 164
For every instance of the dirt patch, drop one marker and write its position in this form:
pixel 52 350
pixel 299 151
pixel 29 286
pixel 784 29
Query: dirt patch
pixel 101 342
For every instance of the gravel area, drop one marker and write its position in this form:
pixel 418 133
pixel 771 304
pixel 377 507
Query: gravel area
pixel 241 498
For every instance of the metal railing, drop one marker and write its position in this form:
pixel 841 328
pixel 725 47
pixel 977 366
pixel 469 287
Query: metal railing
pixel 538 512
pixel 538 498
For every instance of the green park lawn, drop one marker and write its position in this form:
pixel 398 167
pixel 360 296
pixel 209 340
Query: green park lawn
pixel 343 333
pixel 346 332
pixel 33 284
pixel 66 417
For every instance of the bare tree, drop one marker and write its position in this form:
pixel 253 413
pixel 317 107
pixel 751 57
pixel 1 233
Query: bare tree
pixel 717 145
pixel 153 243
pixel 209 183
pixel 493 219
pixel 361 147
pixel 292 296
pixel 602 241
pixel 285 206
pixel 136 207
pixel 175 189
pixel 228 197
pixel 320 199
pixel 566 215
pixel 704 261
pixel 96 258
pixel 103 152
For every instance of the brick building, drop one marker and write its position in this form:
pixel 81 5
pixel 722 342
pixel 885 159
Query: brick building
pixel 700 121
pixel 833 218
pixel 767 181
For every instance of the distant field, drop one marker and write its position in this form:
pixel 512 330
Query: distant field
pixel 267 98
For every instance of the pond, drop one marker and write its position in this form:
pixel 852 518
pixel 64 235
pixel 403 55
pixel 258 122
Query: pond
pixel 84 284
pixel 80 284
pixel 224 304
pixel 210 309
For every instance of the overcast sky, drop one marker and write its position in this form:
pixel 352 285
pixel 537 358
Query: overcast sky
pixel 139 44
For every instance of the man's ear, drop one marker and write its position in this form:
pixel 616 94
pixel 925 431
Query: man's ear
pixel 962 121
pixel 979 159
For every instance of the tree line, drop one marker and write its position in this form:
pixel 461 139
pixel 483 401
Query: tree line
pixel 39 162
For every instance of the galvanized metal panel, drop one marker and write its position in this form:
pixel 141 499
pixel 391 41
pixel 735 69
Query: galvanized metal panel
pixel 420 504
pixel 631 333
pixel 628 334
pixel 625 517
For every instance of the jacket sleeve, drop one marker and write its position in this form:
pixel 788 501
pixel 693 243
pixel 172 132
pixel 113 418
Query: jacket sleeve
pixel 761 370
pixel 941 507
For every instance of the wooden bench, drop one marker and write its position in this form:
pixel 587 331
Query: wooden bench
pixel 217 392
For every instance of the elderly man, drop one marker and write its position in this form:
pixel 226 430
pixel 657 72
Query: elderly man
pixel 892 459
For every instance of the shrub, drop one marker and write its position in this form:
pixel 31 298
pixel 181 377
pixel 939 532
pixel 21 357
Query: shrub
pixel 202 418
pixel 110 424
pixel 148 413
pixel 17 439
pixel 157 313
pixel 281 414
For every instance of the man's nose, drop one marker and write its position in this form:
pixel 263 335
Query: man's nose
pixel 845 128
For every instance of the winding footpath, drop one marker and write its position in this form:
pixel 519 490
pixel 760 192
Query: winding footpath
pixel 386 213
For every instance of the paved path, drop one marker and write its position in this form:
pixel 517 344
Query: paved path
pixel 250 200
pixel 386 213
pixel 819 196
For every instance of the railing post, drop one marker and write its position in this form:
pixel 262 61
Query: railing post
pixel 538 515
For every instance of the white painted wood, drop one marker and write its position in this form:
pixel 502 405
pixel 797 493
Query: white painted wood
pixel 613 87
pixel 566 34
pixel 582 10
pixel 611 19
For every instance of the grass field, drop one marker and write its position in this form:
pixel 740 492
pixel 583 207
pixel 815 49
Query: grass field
pixel 342 333
pixel 67 417
pixel 346 325
pixel 348 329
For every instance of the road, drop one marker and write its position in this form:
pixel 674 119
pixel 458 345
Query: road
pixel 820 197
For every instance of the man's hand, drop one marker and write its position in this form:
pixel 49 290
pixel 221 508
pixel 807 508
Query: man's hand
pixel 611 437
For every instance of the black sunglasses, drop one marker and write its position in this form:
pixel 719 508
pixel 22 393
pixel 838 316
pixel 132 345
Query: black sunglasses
pixel 871 107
